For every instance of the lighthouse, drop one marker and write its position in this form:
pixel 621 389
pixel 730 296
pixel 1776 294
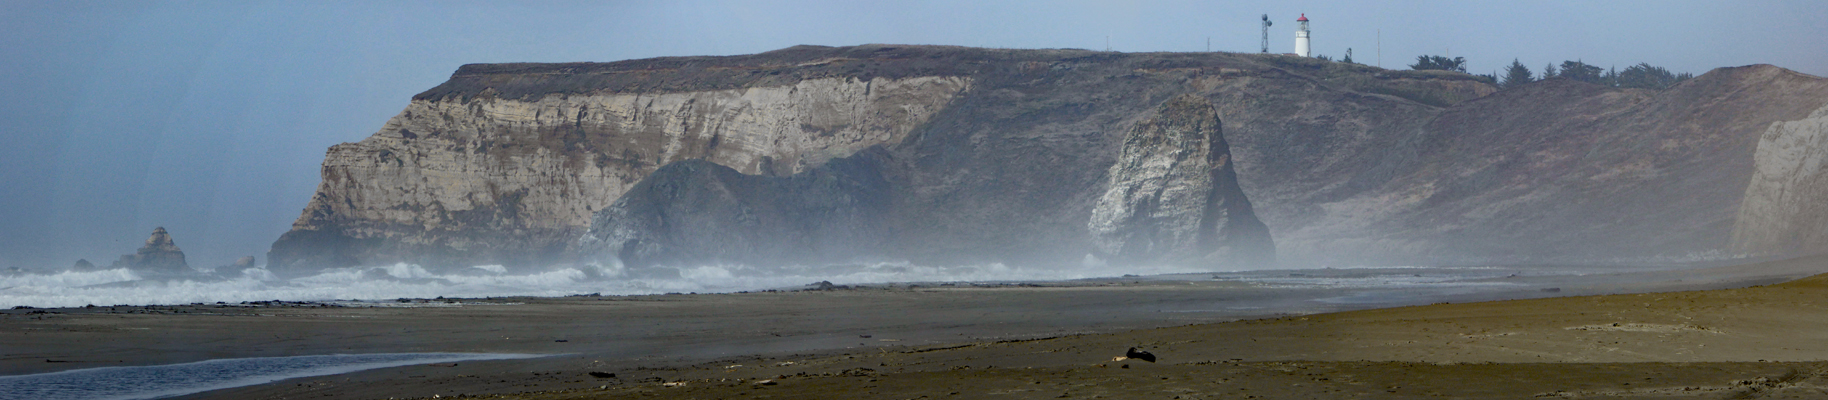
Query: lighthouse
pixel 1301 36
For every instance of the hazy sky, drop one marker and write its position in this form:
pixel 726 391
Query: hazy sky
pixel 211 118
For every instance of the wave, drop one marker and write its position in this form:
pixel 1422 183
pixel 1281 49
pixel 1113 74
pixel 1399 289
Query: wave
pixel 124 287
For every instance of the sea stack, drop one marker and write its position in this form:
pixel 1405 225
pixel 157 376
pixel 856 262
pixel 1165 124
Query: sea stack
pixel 1173 195
pixel 159 256
pixel 83 265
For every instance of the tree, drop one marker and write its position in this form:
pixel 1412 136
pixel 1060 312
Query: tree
pixel 1348 58
pixel 1456 64
pixel 1646 76
pixel 1548 71
pixel 1517 75
pixel 1581 71
pixel 1324 57
pixel 1491 78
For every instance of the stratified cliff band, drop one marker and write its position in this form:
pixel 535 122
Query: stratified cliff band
pixel 987 155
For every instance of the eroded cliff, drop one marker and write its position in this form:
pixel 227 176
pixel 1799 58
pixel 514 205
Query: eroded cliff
pixel 696 212
pixel 1173 196
pixel 1007 155
pixel 1786 204
pixel 487 179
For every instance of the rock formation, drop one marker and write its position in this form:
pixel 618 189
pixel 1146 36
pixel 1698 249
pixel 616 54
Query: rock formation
pixel 696 212
pixel 1786 205
pixel 83 265
pixel 160 256
pixel 499 167
pixel 1007 156
pixel 1174 197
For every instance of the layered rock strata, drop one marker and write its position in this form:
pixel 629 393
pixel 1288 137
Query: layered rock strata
pixel 1173 195
pixel 486 179
pixel 1005 155
pixel 697 212
pixel 1786 204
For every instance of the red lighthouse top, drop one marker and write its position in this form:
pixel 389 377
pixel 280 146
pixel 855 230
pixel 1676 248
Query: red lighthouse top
pixel 1304 17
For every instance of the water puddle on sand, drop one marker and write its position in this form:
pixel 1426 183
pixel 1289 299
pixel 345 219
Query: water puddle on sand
pixel 159 381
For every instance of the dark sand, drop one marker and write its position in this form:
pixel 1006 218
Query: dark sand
pixel 1024 341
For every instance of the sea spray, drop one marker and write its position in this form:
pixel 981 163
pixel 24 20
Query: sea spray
pixel 120 286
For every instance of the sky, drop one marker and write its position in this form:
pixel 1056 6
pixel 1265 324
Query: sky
pixel 212 118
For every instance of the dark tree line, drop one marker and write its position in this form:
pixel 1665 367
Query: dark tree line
pixel 1642 76
pixel 1456 64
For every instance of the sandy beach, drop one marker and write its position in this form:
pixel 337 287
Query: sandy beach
pixel 1701 331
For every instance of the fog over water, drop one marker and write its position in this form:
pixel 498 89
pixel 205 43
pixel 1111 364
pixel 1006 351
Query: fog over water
pixel 123 286
pixel 211 118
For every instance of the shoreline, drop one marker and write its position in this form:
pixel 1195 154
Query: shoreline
pixel 643 337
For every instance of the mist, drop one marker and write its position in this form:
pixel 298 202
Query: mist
pixel 380 285
pixel 210 118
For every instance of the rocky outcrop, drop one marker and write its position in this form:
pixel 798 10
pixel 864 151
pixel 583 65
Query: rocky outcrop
pixel 1786 205
pixel 160 256
pixel 83 265
pixel 480 178
pixel 1173 195
pixel 697 212
pixel 994 155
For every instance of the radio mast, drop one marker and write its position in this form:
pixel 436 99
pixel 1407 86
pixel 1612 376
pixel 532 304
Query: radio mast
pixel 1266 24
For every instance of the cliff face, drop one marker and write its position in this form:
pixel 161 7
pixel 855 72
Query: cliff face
pixel 1014 156
pixel 486 179
pixel 696 213
pixel 1555 171
pixel 1174 197
pixel 1786 205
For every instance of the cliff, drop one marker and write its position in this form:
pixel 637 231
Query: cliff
pixel 1009 155
pixel 510 172
pixel 1173 196
pixel 697 213
pixel 1786 204
pixel 1555 172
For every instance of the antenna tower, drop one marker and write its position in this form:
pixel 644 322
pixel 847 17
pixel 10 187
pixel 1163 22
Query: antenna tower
pixel 1266 25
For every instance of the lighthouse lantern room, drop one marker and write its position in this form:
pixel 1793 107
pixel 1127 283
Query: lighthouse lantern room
pixel 1301 36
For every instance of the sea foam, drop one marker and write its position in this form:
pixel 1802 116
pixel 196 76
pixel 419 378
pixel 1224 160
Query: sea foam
pixel 124 287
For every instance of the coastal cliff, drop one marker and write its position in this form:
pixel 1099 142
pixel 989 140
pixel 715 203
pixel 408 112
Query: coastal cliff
pixel 966 155
pixel 1174 197
pixel 483 178
pixel 1786 204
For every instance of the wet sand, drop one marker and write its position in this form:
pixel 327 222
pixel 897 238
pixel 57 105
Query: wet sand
pixel 1028 341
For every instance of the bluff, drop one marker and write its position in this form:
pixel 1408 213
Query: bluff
pixel 971 155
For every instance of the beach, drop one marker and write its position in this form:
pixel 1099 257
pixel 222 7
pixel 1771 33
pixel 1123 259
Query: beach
pixel 1277 333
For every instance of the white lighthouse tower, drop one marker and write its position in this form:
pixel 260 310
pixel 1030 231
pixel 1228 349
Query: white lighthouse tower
pixel 1301 36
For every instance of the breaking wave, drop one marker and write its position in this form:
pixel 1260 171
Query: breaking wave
pixel 125 287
